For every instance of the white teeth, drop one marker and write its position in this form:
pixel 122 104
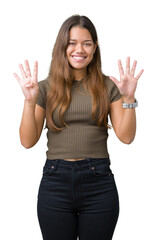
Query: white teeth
pixel 79 58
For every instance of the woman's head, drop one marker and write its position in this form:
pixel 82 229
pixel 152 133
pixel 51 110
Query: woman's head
pixel 80 50
pixel 78 28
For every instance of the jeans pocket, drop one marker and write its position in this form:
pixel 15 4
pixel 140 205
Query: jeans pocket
pixel 102 170
pixel 48 173
pixel 48 170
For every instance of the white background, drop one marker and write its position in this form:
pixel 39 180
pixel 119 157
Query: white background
pixel 28 31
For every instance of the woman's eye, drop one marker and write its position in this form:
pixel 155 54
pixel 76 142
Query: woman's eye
pixel 87 44
pixel 71 43
pixel 74 44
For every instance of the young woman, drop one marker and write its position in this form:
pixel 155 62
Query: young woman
pixel 77 194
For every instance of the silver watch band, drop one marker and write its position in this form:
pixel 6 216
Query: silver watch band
pixel 130 105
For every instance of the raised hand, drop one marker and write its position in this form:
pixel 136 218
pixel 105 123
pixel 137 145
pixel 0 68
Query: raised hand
pixel 29 83
pixel 128 82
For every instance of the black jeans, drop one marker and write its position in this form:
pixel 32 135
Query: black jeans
pixel 78 198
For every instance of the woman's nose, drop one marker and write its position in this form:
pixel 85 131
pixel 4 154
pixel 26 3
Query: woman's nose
pixel 79 48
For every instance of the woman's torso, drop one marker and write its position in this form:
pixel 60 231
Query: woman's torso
pixel 82 138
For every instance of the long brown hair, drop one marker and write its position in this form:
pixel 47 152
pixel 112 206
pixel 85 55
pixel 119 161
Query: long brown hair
pixel 61 77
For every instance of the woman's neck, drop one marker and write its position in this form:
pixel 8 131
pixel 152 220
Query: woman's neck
pixel 79 74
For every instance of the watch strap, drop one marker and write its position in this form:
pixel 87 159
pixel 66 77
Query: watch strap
pixel 130 105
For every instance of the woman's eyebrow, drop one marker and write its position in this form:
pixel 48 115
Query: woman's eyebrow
pixel 76 40
pixel 88 41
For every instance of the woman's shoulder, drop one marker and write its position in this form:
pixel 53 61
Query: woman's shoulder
pixel 108 82
pixel 112 90
pixel 43 90
pixel 45 84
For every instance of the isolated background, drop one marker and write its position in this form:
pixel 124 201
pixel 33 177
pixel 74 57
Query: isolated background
pixel 28 31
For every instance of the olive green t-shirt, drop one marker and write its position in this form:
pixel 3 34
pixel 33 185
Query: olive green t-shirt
pixel 82 138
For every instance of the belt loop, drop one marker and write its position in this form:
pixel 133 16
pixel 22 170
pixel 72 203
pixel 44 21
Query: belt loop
pixel 92 170
pixel 54 166
pixel 89 163
pixel 109 161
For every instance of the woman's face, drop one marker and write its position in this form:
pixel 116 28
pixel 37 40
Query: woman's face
pixel 80 49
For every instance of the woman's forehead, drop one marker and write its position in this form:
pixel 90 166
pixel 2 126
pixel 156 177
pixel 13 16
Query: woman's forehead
pixel 78 33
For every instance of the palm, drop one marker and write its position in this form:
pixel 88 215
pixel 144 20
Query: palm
pixel 127 85
pixel 29 92
pixel 29 84
pixel 128 82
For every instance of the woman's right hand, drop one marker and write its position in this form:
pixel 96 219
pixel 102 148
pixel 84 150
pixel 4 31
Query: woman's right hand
pixel 29 83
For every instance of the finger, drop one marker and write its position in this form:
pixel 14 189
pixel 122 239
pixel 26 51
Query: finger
pixel 128 65
pixel 114 80
pixel 121 71
pixel 17 77
pixel 139 75
pixel 35 71
pixel 133 68
pixel 22 71
pixel 28 71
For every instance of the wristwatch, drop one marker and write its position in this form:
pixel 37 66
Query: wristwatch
pixel 130 105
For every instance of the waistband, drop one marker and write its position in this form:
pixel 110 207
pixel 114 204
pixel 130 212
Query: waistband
pixel 78 163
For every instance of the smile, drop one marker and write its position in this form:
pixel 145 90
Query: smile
pixel 78 58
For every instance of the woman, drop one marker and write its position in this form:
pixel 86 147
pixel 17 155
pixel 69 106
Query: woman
pixel 77 194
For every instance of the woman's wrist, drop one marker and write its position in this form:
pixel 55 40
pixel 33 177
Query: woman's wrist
pixel 128 99
pixel 30 102
pixel 129 103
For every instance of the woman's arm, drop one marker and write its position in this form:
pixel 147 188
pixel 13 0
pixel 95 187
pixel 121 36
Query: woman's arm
pixel 124 119
pixel 31 124
pixel 33 115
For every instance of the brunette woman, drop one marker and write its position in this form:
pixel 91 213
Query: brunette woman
pixel 78 194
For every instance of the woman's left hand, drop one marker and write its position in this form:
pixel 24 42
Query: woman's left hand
pixel 128 82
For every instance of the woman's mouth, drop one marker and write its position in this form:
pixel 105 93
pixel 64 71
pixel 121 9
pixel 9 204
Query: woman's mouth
pixel 78 58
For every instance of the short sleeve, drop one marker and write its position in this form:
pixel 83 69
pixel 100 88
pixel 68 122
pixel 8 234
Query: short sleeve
pixel 113 91
pixel 43 89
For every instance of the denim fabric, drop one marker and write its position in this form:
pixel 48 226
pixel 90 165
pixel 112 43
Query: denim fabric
pixel 78 199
